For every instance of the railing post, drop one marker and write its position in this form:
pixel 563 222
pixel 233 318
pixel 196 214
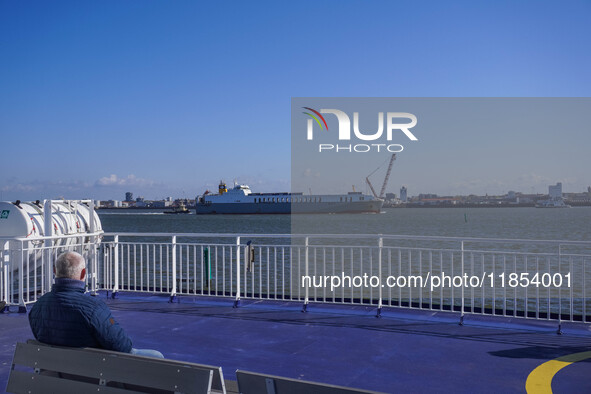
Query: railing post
pixel 237 299
pixel 559 330
pixel 4 273
pixel 91 249
pixel 380 246
pixel 48 232
pixel 463 286
pixel 21 277
pixel 173 292
pixel 115 266
pixel 306 289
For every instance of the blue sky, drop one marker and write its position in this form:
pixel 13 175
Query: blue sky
pixel 165 98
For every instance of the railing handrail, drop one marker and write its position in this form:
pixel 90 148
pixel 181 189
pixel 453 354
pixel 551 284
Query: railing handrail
pixel 352 236
pixel 52 237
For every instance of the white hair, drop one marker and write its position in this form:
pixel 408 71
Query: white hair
pixel 69 265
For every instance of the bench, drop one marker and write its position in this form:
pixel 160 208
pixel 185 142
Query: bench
pixel 41 368
pixel 256 383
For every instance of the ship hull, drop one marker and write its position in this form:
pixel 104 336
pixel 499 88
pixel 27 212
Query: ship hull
pixel 246 208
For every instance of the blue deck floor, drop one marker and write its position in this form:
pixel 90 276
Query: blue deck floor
pixel 404 351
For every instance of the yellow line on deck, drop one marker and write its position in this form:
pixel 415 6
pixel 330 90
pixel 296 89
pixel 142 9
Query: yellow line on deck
pixel 539 380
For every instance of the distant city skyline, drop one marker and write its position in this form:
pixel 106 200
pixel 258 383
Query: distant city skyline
pixel 78 190
pixel 165 99
pixel 395 192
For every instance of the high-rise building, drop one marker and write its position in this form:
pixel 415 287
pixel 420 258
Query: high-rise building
pixel 129 196
pixel 403 197
pixel 555 191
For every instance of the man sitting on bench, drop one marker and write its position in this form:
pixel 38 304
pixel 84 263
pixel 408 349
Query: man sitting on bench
pixel 67 317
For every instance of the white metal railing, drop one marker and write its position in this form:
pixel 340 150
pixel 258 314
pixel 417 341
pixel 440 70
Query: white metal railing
pixel 493 272
pixel 26 266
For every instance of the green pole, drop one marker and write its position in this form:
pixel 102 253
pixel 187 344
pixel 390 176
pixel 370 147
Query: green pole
pixel 207 259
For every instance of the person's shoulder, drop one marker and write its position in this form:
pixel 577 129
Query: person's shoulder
pixel 94 303
pixel 90 299
pixel 47 297
pixel 91 307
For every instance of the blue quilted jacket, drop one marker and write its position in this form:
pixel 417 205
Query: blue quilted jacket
pixel 67 317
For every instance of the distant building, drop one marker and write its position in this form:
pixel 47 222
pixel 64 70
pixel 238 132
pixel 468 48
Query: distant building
pixel 139 199
pixel 129 196
pixel 577 198
pixel 441 200
pixel 403 196
pixel 555 191
pixel 114 203
pixel 427 196
pixel 161 204
pixel 391 196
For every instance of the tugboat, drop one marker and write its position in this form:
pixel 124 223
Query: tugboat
pixel 180 208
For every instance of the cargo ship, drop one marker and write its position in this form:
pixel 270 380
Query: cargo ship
pixel 241 200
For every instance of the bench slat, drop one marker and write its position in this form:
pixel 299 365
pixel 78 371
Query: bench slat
pixel 218 376
pixel 21 382
pixel 256 383
pixel 115 367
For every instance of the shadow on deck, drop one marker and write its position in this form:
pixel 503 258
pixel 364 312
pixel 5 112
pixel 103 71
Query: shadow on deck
pixel 405 350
